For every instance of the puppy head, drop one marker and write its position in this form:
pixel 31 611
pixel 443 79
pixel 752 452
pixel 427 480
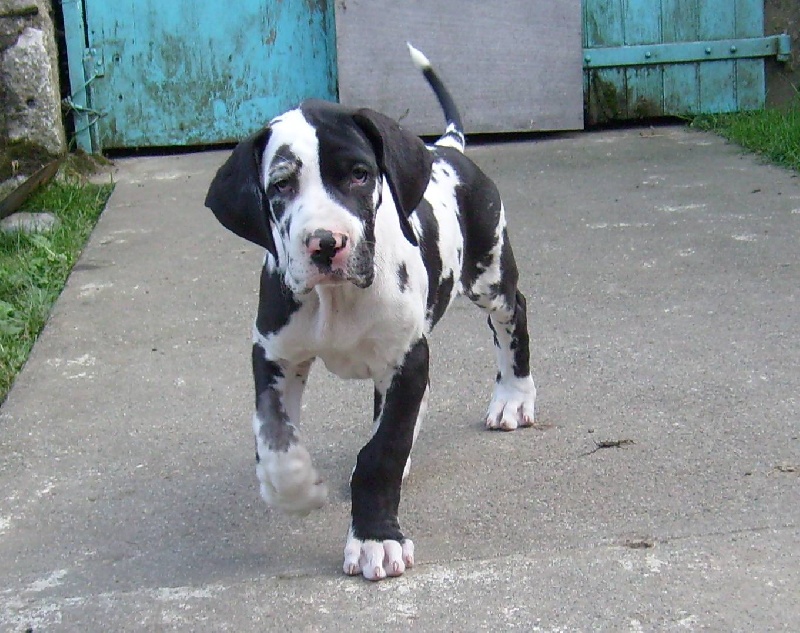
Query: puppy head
pixel 308 186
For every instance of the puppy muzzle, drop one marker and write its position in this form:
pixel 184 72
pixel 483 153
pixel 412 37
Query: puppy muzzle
pixel 329 251
pixel 334 257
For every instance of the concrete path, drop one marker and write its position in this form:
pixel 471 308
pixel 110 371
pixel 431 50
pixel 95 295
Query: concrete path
pixel 661 491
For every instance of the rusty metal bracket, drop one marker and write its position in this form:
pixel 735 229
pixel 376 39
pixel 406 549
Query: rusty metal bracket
pixel 778 46
pixel 86 117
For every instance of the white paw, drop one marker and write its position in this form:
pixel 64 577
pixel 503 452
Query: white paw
pixel 377 559
pixel 512 404
pixel 289 482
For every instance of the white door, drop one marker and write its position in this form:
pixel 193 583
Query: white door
pixel 512 65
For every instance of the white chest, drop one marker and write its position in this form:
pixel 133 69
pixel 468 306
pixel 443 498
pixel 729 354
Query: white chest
pixel 357 333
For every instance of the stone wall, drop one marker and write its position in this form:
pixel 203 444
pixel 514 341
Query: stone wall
pixel 30 96
pixel 783 79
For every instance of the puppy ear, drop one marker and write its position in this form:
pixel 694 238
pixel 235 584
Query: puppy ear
pixel 403 158
pixel 237 196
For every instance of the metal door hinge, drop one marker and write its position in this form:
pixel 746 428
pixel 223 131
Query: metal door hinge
pixel 778 46
pixel 93 63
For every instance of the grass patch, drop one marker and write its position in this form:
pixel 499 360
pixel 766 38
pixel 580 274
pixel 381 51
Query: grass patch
pixel 34 268
pixel 775 134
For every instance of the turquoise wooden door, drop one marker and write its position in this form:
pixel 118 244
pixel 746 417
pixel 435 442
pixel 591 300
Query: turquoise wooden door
pixel 645 58
pixel 194 72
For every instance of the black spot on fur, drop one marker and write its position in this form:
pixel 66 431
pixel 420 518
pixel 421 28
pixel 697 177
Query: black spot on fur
pixel 276 304
pixel 479 212
pixel 429 247
pixel 440 288
pixel 275 429
pixel 444 293
pixel 402 277
pixel 494 332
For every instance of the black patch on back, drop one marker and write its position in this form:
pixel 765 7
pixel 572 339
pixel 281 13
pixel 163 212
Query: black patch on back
pixel 479 212
pixel 444 293
pixel 429 249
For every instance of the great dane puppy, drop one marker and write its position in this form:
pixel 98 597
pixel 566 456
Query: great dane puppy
pixel 369 236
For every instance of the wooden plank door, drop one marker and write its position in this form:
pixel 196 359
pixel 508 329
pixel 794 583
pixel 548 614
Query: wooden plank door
pixel 512 65
pixel 712 53
pixel 197 72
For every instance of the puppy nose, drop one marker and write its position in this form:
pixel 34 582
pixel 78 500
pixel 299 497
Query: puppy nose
pixel 323 245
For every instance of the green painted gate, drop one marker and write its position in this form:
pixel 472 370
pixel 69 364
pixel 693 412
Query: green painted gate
pixel 148 73
pixel 645 58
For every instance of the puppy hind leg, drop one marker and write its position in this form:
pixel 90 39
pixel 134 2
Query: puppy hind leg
pixel 514 397
pixel 495 291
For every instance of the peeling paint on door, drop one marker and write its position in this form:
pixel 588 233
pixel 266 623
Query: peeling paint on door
pixel 200 72
pixel 646 91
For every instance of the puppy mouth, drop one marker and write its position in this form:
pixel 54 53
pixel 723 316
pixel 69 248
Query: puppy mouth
pixel 331 277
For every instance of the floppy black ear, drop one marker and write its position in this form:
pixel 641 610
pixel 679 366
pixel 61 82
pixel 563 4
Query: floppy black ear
pixel 403 158
pixel 237 196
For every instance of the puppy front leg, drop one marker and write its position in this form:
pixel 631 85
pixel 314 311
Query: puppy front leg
pixel 375 544
pixel 288 480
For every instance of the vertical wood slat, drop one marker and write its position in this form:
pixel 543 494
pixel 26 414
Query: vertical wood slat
pixel 75 36
pixel 750 73
pixel 680 24
pixel 717 20
pixel 645 87
pixel 605 89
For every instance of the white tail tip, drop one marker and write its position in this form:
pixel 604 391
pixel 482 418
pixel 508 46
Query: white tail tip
pixel 419 59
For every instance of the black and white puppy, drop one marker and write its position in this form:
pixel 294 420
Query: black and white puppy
pixel 370 235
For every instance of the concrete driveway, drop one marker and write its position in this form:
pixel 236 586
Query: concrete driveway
pixel 660 491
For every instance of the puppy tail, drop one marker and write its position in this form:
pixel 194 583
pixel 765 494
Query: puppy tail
pixel 454 132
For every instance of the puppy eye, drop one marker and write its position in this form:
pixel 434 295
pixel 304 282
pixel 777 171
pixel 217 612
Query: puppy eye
pixel 283 186
pixel 359 176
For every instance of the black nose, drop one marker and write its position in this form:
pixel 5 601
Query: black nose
pixel 323 245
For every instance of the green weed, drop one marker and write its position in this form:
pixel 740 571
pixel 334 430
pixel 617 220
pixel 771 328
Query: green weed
pixel 34 268
pixel 775 134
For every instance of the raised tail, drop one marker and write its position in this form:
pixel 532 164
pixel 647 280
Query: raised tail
pixel 454 132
